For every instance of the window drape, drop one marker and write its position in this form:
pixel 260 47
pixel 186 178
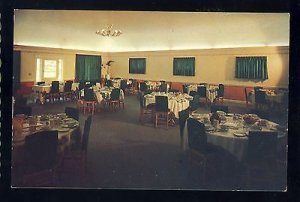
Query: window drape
pixel 251 68
pixel 184 66
pixel 16 70
pixel 88 68
pixel 137 65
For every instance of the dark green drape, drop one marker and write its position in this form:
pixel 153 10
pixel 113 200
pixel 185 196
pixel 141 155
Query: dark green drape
pixel 137 65
pixel 184 66
pixel 16 70
pixel 251 68
pixel 88 68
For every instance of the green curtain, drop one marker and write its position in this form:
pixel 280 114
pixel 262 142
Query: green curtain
pixel 16 70
pixel 137 65
pixel 88 68
pixel 251 68
pixel 184 66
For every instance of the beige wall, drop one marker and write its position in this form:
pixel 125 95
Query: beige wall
pixel 212 65
pixel 29 55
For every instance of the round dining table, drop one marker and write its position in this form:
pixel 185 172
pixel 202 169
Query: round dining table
pixel 234 135
pixel 65 126
pixel 176 101
pixel 211 91
pixel 39 89
pixel 105 92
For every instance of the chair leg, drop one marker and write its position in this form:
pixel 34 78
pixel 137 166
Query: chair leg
pixel 93 108
pixel 167 121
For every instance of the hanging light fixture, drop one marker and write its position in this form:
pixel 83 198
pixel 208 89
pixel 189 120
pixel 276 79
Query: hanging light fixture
pixel 109 31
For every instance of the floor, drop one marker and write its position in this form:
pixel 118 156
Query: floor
pixel 123 154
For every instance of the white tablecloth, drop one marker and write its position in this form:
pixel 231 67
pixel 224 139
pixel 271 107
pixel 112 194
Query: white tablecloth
pixel 75 86
pixel 237 146
pixel 175 104
pixel 46 88
pixel 107 93
pixel 19 138
pixel 270 97
pixel 116 83
pixel 38 90
pixel 211 91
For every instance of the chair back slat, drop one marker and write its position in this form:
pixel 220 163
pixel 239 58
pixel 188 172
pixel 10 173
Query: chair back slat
pixel 183 116
pixel 260 97
pixel 109 83
pixel 115 94
pixel 86 133
pixel 72 112
pixel 41 150
pixel 197 138
pixel 68 86
pixel 55 87
pixel 143 86
pixel 201 91
pixel 163 87
pixel 89 94
pixel 161 103
pixel 220 90
pixel 262 146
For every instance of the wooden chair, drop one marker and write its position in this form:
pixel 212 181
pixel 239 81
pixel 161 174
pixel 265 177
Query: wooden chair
pixel 72 112
pixel 261 159
pixel 201 91
pixel 163 87
pixel 207 156
pixel 114 101
pixel 89 101
pixel 74 162
pixel 146 110
pixel 132 88
pixel 162 112
pixel 123 85
pixel 260 100
pixel 220 94
pixel 68 94
pixel 41 159
pixel 183 116
pixel 54 92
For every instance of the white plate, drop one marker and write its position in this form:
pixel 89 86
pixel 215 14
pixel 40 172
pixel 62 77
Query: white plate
pixel 240 134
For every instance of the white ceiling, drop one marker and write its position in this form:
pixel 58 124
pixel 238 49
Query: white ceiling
pixel 148 31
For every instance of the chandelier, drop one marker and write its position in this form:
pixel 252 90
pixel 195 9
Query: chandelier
pixel 109 31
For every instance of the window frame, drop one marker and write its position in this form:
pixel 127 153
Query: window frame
pixel 40 65
pixel 249 72
pixel 136 71
pixel 183 74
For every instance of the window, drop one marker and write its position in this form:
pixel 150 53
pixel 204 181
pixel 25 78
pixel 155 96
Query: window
pixel 254 68
pixel 49 69
pixel 88 68
pixel 184 66
pixel 137 65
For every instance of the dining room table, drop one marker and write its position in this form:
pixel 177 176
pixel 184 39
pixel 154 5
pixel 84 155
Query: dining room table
pixel 176 101
pixel 272 97
pixel 104 93
pixel 38 91
pixel 211 90
pixel 29 125
pixel 232 132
